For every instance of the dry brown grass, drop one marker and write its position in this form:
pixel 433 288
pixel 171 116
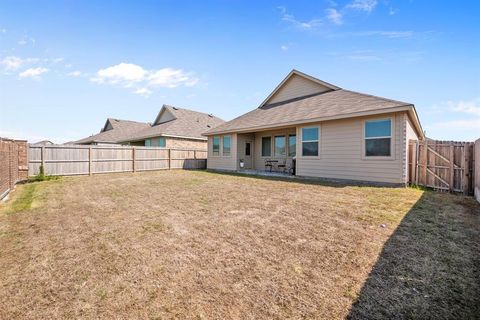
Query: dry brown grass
pixel 201 245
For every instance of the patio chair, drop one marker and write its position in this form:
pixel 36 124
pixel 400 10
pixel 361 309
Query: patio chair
pixel 289 166
pixel 282 165
pixel 268 164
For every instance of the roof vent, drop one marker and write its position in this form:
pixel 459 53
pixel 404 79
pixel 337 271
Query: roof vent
pixel 175 108
pixel 210 115
pixel 208 126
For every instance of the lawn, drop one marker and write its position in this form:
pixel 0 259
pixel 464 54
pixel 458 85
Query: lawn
pixel 199 245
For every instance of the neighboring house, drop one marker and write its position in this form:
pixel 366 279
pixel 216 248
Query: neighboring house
pixel 175 128
pixel 331 132
pixel 113 132
pixel 42 143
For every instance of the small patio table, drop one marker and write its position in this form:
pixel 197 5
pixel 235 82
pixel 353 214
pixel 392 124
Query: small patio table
pixel 271 163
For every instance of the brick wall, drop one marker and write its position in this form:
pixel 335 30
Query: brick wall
pixel 13 164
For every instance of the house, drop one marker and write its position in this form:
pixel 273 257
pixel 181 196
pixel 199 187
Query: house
pixel 175 128
pixel 331 133
pixel 42 143
pixel 113 132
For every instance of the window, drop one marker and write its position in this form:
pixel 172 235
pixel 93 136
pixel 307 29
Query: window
pixel 148 143
pixel 216 146
pixel 280 146
pixel 247 148
pixel 226 145
pixel 292 145
pixel 310 141
pixel 378 138
pixel 162 142
pixel 266 146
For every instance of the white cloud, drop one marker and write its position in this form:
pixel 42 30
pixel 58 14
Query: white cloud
pixel 12 62
pixel 311 24
pixel 123 72
pixel 392 11
pixel 465 124
pixel 466 128
pixel 26 40
pixel 284 47
pixel 143 92
pixel 74 74
pixel 4 30
pixel 363 5
pixel 471 107
pixel 170 78
pixel 33 73
pixel 388 34
pixel 334 16
pixel 134 76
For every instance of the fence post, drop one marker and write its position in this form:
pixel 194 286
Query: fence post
pixel 424 160
pixel 43 158
pixel 466 170
pixel 452 166
pixel 169 159
pixel 90 161
pixel 133 160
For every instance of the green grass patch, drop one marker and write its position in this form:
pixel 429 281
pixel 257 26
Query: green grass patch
pixel 23 201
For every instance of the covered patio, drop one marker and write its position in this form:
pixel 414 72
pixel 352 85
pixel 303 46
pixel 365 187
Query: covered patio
pixel 267 152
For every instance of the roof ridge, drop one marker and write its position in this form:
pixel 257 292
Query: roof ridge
pixel 116 119
pixel 378 97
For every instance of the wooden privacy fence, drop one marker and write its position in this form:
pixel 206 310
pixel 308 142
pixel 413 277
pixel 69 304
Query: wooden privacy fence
pixel 78 160
pixel 442 165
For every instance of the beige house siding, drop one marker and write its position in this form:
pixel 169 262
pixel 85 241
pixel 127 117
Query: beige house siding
pixel 341 152
pixel 222 162
pixel 295 87
pixel 176 143
pixel 259 161
pixel 241 139
pixel 410 134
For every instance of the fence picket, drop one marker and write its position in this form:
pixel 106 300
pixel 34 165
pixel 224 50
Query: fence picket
pixel 77 160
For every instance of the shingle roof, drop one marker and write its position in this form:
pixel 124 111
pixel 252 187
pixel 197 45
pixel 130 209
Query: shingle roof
pixel 121 129
pixel 186 123
pixel 335 103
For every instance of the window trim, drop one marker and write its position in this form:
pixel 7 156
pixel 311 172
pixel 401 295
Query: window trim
pixel 392 139
pixel 213 146
pixel 223 146
pixel 160 139
pixel 319 128
pixel 261 146
pixel 288 145
pixel 275 145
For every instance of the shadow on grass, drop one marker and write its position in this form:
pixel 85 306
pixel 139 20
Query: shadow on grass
pixel 430 266
pixel 306 180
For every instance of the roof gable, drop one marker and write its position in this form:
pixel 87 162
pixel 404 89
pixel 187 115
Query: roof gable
pixel 295 85
pixel 164 115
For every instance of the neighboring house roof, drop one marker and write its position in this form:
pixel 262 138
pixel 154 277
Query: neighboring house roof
pixel 42 143
pixel 114 131
pixel 177 122
pixel 328 103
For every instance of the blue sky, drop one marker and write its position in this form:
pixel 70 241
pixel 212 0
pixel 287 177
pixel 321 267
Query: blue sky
pixel 65 66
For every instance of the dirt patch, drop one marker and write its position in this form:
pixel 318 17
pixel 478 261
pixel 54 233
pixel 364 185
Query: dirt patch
pixel 200 245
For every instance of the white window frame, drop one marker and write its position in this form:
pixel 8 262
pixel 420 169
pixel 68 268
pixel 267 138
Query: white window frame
pixel 219 146
pixel 288 144
pixel 392 139
pixel 275 146
pixel 261 147
pixel 302 141
pixel 223 147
